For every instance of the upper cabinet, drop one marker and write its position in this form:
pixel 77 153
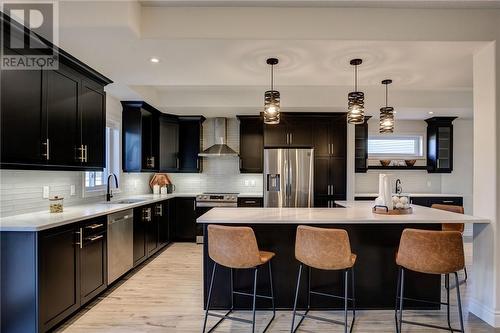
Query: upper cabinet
pixel 251 144
pixel 153 141
pixel 361 147
pixel 53 119
pixel 293 130
pixel 440 144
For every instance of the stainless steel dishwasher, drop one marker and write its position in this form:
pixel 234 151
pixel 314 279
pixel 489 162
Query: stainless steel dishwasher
pixel 120 244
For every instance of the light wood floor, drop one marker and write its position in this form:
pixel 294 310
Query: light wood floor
pixel 165 295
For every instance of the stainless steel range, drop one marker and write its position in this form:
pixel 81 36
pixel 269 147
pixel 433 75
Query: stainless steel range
pixel 217 200
pixel 207 201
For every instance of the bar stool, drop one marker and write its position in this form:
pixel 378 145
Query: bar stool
pixel 430 252
pixel 236 248
pixel 324 249
pixel 452 226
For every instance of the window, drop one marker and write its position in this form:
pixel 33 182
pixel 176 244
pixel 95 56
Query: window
pixel 96 181
pixel 395 146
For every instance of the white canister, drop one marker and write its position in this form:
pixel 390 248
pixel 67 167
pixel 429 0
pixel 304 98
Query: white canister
pixel 156 189
pixel 163 190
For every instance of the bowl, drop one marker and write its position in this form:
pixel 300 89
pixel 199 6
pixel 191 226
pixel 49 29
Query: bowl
pixel 385 162
pixel 410 163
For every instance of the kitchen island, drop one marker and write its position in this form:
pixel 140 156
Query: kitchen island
pixel 374 238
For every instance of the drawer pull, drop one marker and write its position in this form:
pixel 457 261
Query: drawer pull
pixel 250 201
pixel 448 201
pixel 94 226
pixel 94 238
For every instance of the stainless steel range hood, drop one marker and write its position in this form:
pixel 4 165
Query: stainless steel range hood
pixel 220 147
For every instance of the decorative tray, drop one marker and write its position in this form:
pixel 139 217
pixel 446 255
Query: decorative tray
pixel 385 210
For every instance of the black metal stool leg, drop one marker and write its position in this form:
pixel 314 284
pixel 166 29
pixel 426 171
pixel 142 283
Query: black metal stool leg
pixel 401 297
pixel 466 275
pixel 272 288
pixel 232 290
pixel 296 297
pixel 309 272
pixel 447 282
pixel 396 304
pixel 353 299
pixel 254 298
pixel 209 297
pixel 459 300
pixel 345 299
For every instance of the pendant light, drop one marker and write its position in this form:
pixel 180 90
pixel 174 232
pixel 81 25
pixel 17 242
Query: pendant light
pixel 272 99
pixel 356 99
pixel 386 113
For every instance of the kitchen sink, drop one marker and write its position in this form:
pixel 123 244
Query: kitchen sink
pixel 124 201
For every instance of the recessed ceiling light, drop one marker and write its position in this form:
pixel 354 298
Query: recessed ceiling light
pixel 430 112
pixel 154 60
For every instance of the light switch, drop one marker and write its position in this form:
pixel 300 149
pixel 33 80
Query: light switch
pixel 72 190
pixel 429 183
pixel 246 183
pixel 45 194
pixel 252 182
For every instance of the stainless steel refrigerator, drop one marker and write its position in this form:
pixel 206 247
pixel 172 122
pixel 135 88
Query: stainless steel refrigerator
pixel 288 177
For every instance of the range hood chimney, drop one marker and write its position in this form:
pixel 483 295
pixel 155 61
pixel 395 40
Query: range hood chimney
pixel 220 147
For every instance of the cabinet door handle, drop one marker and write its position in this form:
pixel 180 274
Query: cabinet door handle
pixel 291 138
pixel 159 210
pixel 448 201
pixel 94 226
pixel 152 161
pixel 194 205
pixel 177 163
pixel 47 149
pixel 94 238
pixel 80 238
pixel 86 153
pixel 198 163
pixel 250 201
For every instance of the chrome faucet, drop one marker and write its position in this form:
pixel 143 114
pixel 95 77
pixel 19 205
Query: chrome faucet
pixel 109 194
pixel 399 188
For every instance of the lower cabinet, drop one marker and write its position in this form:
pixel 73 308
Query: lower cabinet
pixel 164 224
pixel 72 269
pixel 425 201
pixel 185 219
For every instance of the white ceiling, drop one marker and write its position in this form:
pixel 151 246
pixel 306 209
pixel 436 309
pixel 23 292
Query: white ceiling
pixel 229 76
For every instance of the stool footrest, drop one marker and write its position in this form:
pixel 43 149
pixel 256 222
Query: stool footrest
pixel 251 295
pixel 422 301
pixel 431 326
pixel 247 321
pixel 332 321
pixel 329 295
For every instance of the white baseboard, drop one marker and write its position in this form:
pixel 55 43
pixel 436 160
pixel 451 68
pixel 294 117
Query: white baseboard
pixel 487 314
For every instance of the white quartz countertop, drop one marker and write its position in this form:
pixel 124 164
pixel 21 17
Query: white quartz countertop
pixel 38 221
pixel 355 212
pixel 415 195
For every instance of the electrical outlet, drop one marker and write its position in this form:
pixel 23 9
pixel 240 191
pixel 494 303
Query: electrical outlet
pixel 429 183
pixel 247 183
pixel 45 194
pixel 72 190
pixel 252 182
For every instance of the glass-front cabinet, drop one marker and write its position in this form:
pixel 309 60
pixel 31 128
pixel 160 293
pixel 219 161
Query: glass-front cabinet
pixel 440 144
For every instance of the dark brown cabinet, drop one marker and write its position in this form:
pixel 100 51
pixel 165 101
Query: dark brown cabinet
pixel 251 144
pixel 93 259
pixel 185 221
pixel 293 129
pixel 53 119
pixel 72 269
pixel 169 144
pixel 440 144
pixel 59 271
pixel 153 141
pixel 190 133
pixel 250 202
pixel 20 112
pixel 164 224
pixel 361 147
pixel 330 148
pixel 142 218
pixel 92 124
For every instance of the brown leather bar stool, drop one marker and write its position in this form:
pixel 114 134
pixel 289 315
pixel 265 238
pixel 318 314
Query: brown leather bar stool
pixel 324 249
pixel 452 226
pixel 430 252
pixel 236 248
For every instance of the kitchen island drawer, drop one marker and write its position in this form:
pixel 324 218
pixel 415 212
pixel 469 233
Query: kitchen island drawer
pixel 250 202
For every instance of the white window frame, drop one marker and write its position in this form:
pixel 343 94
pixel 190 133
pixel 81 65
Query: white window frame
pixel 419 147
pixel 112 163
